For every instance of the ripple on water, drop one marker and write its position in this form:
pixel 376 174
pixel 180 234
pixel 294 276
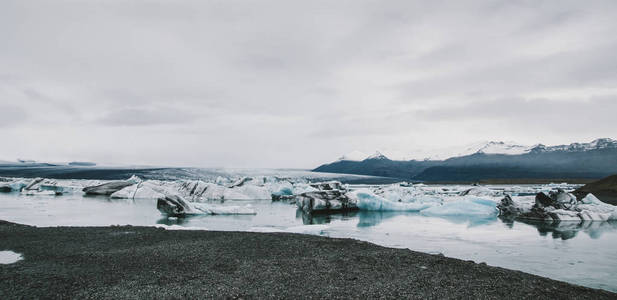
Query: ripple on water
pixel 9 257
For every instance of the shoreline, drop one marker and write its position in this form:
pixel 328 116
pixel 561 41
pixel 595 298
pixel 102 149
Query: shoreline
pixel 149 262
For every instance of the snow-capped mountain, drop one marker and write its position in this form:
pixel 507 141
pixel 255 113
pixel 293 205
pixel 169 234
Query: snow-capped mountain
pixel 377 155
pixel 353 156
pixel 486 160
pixel 485 147
pixel 503 148
pixel 604 143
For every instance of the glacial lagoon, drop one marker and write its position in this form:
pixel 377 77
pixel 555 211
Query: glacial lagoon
pixel 580 253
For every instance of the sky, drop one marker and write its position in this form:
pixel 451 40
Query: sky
pixel 295 84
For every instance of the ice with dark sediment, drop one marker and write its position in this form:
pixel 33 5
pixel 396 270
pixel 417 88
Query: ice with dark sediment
pixel 558 206
pixel 109 188
pixel 175 206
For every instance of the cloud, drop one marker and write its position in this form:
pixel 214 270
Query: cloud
pixel 145 117
pixel 295 83
pixel 11 116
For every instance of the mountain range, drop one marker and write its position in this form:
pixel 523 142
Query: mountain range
pixel 490 160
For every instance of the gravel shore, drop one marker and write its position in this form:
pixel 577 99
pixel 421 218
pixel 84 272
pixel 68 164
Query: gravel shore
pixel 126 262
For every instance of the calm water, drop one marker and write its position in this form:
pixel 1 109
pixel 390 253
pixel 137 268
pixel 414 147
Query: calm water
pixel 584 254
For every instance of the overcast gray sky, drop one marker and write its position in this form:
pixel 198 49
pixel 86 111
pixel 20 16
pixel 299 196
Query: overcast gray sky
pixel 298 83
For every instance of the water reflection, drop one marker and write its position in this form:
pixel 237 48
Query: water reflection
pixel 566 230
pixel 323 218
pixel 174 221
pixel 372 218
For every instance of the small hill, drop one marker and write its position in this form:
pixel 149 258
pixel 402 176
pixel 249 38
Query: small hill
pixel 605 189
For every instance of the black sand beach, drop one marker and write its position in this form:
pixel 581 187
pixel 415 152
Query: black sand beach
pixel 145 262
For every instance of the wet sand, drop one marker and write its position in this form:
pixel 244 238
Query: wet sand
pixel 146 262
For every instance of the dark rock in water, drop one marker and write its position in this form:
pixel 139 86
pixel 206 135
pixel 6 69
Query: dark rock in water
pixel 604 189
pixel 543 200
pixel 328 186
pixel 173 206
pixel 107 188
pixel 325 201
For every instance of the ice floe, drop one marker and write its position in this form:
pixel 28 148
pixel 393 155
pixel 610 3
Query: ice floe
pixel 175 206
pixel 520 201
pixel 326 201
pixel 9 257
pixel 367 200
pixel 466 207
pixel 559 206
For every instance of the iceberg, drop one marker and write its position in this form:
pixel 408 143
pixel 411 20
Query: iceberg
pixel 149 189
pixel 106 189
pixel 328 186
pixel 559 206
pixel 34 184
pixel 9 257
pixel 326 201
pixel 466 207
pixel 242 189
pixel 175 206
pixel 6 188
pixel 398 193
pixel 479 191
pixel 41 187
pixel 366 200
pixel 40 193
pixel 139 191
pixel 17 186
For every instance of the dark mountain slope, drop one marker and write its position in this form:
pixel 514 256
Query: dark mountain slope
pixel 605 189
pixel 577 161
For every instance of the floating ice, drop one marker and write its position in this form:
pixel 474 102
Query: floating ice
pixel 9 257
pixel 326 201
pixel 175 206
pixel 240 190
pixel 308 229
pixel 559 206
pixel 479 191
pixel 107 188
pixel 265 229
pixel 366 200
pixel 178 227
pixel 470 206
pixel 143 190
pixel 40 193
